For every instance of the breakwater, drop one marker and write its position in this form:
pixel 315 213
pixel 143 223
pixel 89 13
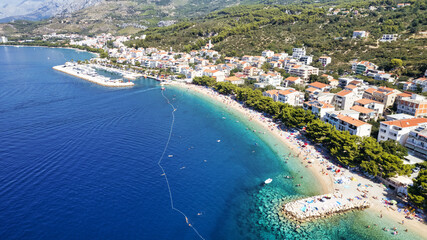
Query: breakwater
pixel 323 206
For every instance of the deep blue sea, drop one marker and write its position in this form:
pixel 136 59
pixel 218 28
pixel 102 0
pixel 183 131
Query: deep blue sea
pixel 80 161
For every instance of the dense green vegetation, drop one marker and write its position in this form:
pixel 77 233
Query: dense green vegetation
pixel 251 29
pixel 418 192
pixel 382 159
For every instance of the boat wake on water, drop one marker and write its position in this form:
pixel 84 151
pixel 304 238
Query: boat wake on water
pixel 187 220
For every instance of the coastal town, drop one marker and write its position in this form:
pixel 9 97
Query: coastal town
pixel 347 102
pixel 325 104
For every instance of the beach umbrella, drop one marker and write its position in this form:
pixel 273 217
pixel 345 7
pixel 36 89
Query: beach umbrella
pixel 393 202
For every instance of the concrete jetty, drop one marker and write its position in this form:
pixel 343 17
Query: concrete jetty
pixel 323 206
pixel 89 74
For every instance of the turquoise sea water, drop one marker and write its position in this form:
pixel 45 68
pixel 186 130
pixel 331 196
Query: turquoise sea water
pixel 79 161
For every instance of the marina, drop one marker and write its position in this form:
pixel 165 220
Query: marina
pixel 323 206
pixel 126 74
pixel 88 73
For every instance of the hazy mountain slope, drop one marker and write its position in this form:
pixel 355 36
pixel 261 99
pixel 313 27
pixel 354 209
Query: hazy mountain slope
pixel 39 9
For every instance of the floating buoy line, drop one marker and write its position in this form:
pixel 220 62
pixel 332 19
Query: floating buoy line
pixel 187 220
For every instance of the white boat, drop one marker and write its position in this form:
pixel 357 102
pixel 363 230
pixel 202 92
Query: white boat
pixel 268 181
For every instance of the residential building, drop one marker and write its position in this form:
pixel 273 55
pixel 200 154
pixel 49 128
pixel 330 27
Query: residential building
pixel 279 56
pixel 218 75
pixel 290 81
pixel 303 71
pixel 273 79
pixel 307 60
pixel 324 60
pixel 274 94
pixel 350 124
pixel 318 108
pixel 363 67
pixel 348 113
pixel 320 86
pixel 417 142
pixel 399 130
pixel 371 104
pixel 326 97
pixel 251 71
pixel 414 105
pixel 3 39
pixel 399 5
pixel 267 53
pixel 297 53
pixel 399 116
pixel 345 99
pixel 365 114
pixel 384 95
pixel 312 90
pixel 360 34
pixel 344 81
pixel 388 37
pixel 231 60
pixel 291 97
pixel 421 83
pixel 387 77
pixel 234 80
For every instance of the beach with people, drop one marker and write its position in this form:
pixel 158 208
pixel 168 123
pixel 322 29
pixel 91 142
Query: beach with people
pixel 331 177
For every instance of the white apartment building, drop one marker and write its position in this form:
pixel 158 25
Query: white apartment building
pixel 371 104
pixel 3 39
pixel 414 105
pixel 417 142
pixel 291 97
pixel 345 99
pixel 218 75
pixel 297 53
pixel 303 71
pixel 273 79
pixel 344 81
pixel 318 108
pixel 346 123
pixel 307 60
pixel 398 130
pixel 360 34
pixel 267 53
pixel 279 56
pixel 399 116
pixel 388 37
pixel 289 81
pixel 324 60
pixel 326 97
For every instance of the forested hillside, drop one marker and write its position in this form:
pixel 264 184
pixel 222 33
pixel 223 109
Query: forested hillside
pixel 250 29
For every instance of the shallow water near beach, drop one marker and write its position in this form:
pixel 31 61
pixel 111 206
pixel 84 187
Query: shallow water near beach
pixel 79 161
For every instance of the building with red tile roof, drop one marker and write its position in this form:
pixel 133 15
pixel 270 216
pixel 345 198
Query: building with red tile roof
pixel 398 130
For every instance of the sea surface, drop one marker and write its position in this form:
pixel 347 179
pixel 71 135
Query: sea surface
pixel 80 161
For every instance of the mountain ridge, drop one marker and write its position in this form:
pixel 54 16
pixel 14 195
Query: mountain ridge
pixel 37 10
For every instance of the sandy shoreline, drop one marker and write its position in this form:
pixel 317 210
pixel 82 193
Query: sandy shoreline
pixel 317 163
